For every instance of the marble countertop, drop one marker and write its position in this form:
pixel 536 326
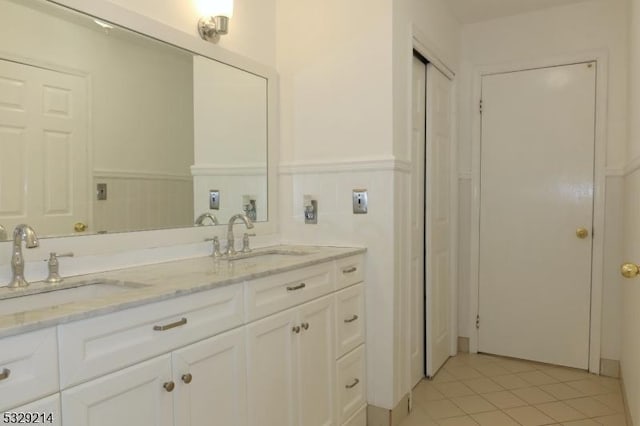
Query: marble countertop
pixel 152 283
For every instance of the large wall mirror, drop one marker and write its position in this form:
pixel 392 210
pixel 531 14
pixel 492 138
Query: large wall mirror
pixel 106 130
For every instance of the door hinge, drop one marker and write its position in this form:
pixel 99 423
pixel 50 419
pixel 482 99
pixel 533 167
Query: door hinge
pixel 478 322
pixel 480 106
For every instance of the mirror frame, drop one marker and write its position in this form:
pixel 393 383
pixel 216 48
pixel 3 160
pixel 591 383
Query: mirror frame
pixel 136 240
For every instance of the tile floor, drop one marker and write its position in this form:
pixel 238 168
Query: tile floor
pixel 493 391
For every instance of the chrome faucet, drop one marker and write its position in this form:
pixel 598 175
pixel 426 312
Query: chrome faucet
pixel 28 235
pixel 231 250
pixel 204 216
pixel 3 233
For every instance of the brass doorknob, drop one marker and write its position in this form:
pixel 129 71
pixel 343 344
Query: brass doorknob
pixel 582 233
pixel 79 227
pixel 629 270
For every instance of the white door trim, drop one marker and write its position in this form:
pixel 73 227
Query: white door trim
pixel 602 59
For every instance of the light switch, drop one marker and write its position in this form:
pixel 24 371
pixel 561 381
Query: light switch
pixel 101 191
pixel 360 203
pixel 214 199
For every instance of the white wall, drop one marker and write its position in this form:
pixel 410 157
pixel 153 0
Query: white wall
pixel 539 36
pixel 251 29
pixel 631 288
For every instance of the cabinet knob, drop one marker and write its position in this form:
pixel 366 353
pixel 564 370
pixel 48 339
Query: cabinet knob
pixel 296 329
pixel 629 270
pixel 305 325
pixel 169 386
pixel 187 378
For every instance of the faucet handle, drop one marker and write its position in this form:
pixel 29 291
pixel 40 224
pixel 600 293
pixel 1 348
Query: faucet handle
pixel 54 267
pixel 245 242
pixel 216 246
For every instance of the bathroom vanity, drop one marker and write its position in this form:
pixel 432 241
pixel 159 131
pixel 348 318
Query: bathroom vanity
pixel 275 339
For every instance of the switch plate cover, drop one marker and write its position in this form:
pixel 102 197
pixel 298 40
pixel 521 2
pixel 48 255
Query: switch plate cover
pixel 214 199
pixel 101 191
pixel 360 202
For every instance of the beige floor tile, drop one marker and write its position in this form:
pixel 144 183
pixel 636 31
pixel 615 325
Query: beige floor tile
pixel 458 421
pixel 517 366
pixel 615 420
pixel 490 369
pixel 529 416
pixel 418 417
pixel 441 409
pixel 565 374
pixel 454 389
pixel 510 381
pixel 533 395
pixel 562 391
pixel 426 391
pixel 589 387
pixel 443 376
pixel 537 378
pixel 494 418
pixel 560 411
pixel 590 407
pixel 483 385
pixel 473 404
pixel 504 399
pixel 586 422
pixel 463 372
pixel 612 400
pixel 608 382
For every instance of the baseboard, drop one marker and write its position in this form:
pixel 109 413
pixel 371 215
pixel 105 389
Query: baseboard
pixel 610 368
pixel 377 416
pixel 463 345
pixel 625 400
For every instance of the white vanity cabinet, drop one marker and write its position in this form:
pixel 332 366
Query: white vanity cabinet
pixel 201 384
pixel 46 410
pixel 291 367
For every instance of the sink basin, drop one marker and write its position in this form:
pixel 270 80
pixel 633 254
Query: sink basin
pixel 32 299
pixel 269 255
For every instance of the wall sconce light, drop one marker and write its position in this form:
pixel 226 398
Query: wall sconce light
pixel 215 18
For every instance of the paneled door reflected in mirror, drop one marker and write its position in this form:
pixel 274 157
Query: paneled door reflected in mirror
pixel 99 131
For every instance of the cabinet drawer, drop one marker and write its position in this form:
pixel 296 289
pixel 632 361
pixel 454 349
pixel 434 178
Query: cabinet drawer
pixel 48 407
pixel 268 295
pixel 349 319
pixel 351 384
pixel 28 367
pixel 93 347
pixel 349 271
pixel 358 419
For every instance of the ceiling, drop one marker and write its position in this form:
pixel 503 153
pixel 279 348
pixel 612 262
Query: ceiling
pixel 470 11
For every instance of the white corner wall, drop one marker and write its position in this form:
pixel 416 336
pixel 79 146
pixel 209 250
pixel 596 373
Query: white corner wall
pixel 540 36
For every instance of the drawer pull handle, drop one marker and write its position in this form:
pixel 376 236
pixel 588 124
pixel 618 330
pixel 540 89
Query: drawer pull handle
pixel 353 385
pixel 349 270
pixel 183 321
pixel 187 378
pixel 352 319
pixel 296 287
pixel 169 386
pixel 5 374
pixel 305 325
pixel 296 329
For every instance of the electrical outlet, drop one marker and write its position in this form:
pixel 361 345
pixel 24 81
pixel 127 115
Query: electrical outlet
pixel 214 199
pixel 360 203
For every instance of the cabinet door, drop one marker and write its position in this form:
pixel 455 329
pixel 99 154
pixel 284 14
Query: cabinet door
pixel 271 359
pixel 211 382
pixel 316 363
pixel 46 410
pixel 134 396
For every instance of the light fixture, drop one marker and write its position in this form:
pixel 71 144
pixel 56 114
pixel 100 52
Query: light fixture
pixel 215 18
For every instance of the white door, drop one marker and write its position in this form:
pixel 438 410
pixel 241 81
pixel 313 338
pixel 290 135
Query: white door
pixel 271 363
pixel 537 165
pixel 316 363
pixel 439 226
pixel 211 381
pixel 43 140
pixel 134 396
pixel 417 220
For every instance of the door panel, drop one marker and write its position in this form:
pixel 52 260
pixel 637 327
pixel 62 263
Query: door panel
pixel 537 162
pixel 44 139
pixel 438 224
